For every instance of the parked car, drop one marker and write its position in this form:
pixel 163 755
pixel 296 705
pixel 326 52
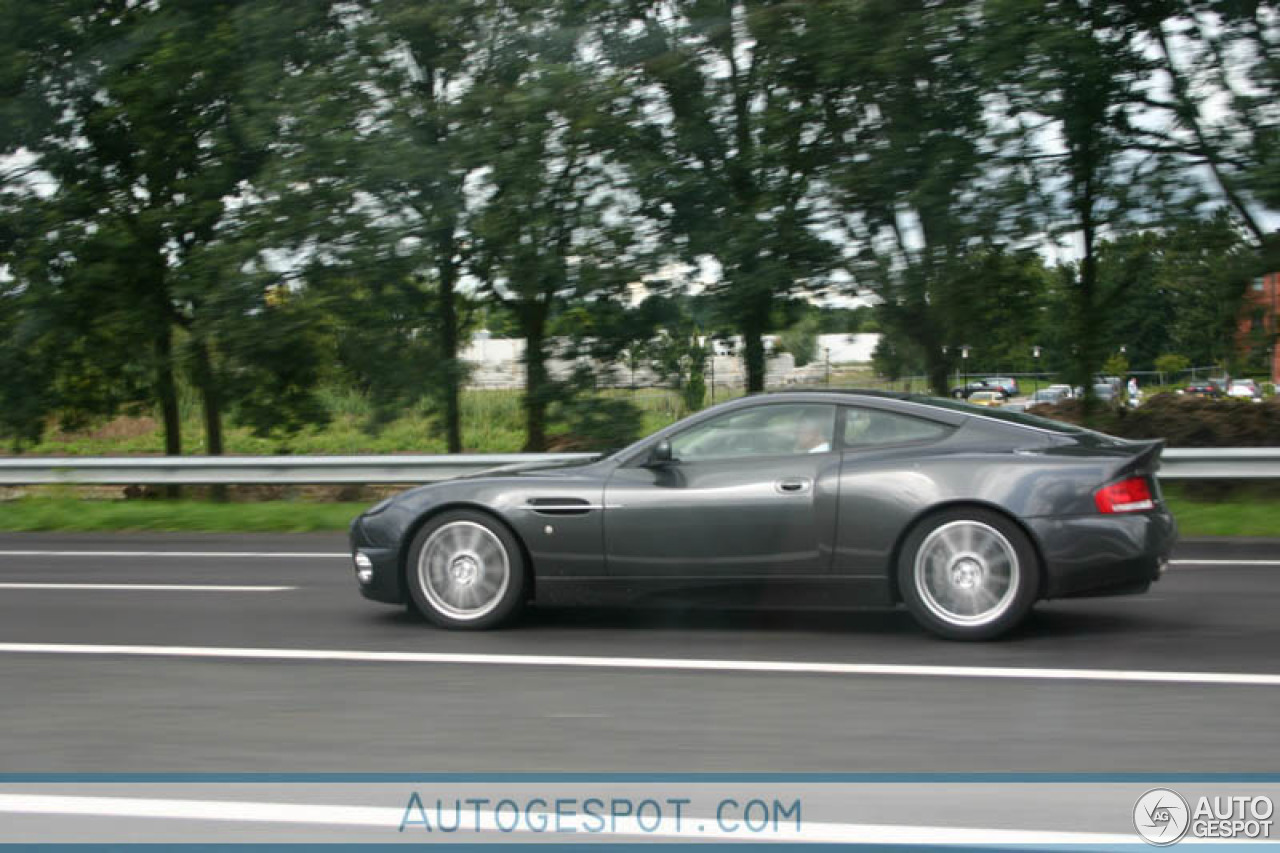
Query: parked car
pixel 1048 396
pixel 1204 390
pixel 833 498
pixel 962 392
pixel 1066 390
pixel 1106 392
pixel 1244 388
pixel 987 398
pixel 1007 384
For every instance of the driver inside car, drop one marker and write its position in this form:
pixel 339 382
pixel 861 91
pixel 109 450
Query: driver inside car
pixel 814 436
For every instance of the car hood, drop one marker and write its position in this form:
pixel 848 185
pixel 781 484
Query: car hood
pixel 534 469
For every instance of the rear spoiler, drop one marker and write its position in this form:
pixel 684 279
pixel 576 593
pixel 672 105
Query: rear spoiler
pixel 1141 457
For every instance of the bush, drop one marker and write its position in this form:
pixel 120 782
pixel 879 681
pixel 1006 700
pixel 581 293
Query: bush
pixel 1172 364
pixel 596 423
pixel 1182 421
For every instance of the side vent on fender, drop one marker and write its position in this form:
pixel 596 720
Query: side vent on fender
pixel 560 506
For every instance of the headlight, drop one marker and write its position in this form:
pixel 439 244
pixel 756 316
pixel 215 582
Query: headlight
pixel 364 567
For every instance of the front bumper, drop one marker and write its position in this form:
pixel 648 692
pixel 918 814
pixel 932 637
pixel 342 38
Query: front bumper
pixel 1094 555
pixel 385 583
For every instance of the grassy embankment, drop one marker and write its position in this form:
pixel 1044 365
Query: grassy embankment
pixel 1247 514
pixel 492 423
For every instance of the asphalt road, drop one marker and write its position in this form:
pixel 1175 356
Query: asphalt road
pixel 71 711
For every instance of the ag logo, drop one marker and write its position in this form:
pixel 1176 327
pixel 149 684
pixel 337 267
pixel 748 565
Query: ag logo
pixel 1161 817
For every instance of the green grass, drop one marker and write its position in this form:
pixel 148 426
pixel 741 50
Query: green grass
pixel 70 514
pixel 492 422
pixel 1233 516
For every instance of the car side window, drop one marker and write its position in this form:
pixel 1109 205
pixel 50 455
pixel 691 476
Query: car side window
pixel 874 428
pixel 768 430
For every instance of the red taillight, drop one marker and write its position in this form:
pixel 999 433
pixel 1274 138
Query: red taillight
pixel 1131 495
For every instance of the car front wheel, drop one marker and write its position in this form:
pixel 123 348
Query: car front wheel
pixel 968 574
pixel 466 571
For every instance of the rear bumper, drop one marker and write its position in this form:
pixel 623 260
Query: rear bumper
pixel 1097 555
pixel 385 584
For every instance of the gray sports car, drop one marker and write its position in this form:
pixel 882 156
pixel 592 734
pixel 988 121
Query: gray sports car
pixel 966 515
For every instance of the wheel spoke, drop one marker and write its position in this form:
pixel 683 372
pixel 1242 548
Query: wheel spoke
pixel 966 573
pixel 463 570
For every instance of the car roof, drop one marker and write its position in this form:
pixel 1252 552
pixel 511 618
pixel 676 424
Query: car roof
pixel 940 408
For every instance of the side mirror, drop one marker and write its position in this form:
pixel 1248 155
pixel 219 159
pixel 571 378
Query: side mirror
pixel 661 453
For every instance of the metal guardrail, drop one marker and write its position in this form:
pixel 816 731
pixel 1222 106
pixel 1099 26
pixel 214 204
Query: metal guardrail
pixel 1220 463
pixel 1233 463
pixel 256 470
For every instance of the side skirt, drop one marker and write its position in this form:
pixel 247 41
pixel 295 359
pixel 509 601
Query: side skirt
pixel 782 593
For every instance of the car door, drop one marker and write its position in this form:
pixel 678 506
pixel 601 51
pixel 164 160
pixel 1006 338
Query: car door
pixel 751 492
pixel 881 484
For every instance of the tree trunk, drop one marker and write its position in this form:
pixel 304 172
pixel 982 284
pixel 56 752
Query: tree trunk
pixel 211 400
pixel 753 329
pixel 937 369
pixel 536 381
pixel 167 392
pixel 449 353
pixel 1087 320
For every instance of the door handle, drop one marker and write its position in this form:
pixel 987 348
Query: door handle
pixel 792 485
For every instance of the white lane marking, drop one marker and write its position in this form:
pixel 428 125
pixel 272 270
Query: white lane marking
pixel 1225 562
pixel 148 587
pixel 287 555
pixel 674 664
pixel 386 818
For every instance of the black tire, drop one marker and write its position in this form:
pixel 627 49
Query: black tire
pixel 968 574
pixel 474 576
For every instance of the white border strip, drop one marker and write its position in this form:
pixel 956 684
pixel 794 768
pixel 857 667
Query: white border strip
pixel 146 587
pixel 389 819
pixel 287 555
pixel 1237 679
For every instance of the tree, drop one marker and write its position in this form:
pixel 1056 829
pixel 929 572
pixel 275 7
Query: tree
pixel 1170 365
pixel 1074 71
pixel 728 144
pixel 1216 50
pixel 398 138
pixel 551 219
pixel 1174 289
pixel 912 187
pixel 145 123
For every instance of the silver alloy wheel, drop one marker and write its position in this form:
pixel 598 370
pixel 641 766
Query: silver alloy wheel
pixel 967 573
pixel 463 570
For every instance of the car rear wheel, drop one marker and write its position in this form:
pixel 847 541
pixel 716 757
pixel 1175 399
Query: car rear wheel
pixel 968 574
pixel 466 571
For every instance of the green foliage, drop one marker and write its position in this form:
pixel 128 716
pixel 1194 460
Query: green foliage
pixel 1185 421
pixel 596 423
pixel 801 340
pixel 237 207
pixel 727 140
pixel 1115 365
pixel 1170 364
pixel 148 121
